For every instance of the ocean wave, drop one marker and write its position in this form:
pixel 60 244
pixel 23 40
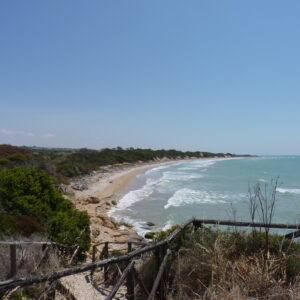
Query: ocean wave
pixel 188 196
pixel 139 226
pixel 159 168
pixel 187 168
pixel 198 164
pixel 179 176
pixel 136 195
pixel 148 188
pixel 288 191
pixel 156 169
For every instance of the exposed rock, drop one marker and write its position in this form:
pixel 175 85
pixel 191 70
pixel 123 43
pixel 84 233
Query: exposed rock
pixel 150 224
pixel 95 232
pixel 96 221
pixel 107 221
pixel 110 223
pixel 66 189
pixel 79 186
pixel 93 200
pixel 100 210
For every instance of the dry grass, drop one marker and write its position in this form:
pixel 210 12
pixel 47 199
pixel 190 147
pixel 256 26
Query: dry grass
pixel 215 266
pixel 31 260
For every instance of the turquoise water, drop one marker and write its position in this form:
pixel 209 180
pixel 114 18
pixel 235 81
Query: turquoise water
pixel 209 189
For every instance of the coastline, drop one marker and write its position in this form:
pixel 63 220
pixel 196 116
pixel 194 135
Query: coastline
pixel 99 191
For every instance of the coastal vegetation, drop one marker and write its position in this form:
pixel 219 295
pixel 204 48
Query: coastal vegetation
pixel 30 203
pixel 62 163
pixel 215 264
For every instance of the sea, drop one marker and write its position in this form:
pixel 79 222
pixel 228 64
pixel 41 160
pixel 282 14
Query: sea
pixel 209 189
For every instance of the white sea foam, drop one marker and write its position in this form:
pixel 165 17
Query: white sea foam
pixel 136 195
pixel 188 196
pixel 152 170
pixel 146 190
pixel 156 169
pixel 168 181
pixel 198 164
pixel 187 168
pixel 168 225
pixel 139 226
pixel 288 191
pixel 179 176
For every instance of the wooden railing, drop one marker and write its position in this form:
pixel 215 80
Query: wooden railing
pixel 45 248
pixel 105 252
pixel 130 274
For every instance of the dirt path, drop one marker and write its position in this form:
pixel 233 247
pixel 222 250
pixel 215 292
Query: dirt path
pixel 82 288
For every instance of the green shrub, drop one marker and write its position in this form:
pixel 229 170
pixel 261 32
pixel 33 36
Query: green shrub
pixel 183 240
pixel 19 157
pixel 31 203
pixel 3 161
pixel 150 235
pixel 70 227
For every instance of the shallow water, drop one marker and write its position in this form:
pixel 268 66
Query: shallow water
pixel 210 188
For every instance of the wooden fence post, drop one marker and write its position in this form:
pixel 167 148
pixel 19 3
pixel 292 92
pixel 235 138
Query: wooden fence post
pixel 162 284
pixel 158 262
pixel 140 282
pixel 105 255
pixel 196 226
pixel 130 280
pixel 160 253
pixel 159 276
pixel 121 280
pixel 93 259
pixel 13 260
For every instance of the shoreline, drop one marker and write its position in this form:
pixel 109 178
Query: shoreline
pixel 98 192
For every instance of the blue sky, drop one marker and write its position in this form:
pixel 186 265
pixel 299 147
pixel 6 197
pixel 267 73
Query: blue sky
pixel 193 75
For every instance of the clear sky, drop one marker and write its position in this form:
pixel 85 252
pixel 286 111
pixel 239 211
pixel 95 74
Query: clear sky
pixel 209 75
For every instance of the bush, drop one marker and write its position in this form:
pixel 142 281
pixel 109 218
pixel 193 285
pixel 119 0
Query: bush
pixel 30 203
pixel 7 150
pixel 70 227
pixel 19 157
pixel 3 161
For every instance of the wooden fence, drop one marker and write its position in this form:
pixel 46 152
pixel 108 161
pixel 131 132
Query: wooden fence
pixel 130 274
pixel 45 248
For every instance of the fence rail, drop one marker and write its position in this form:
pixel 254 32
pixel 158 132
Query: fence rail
pixel 13 251
pixel 130 272
pixel 246 224
pixel 20 243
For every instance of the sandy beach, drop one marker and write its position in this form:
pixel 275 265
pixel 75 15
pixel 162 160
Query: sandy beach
pixel 98 192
